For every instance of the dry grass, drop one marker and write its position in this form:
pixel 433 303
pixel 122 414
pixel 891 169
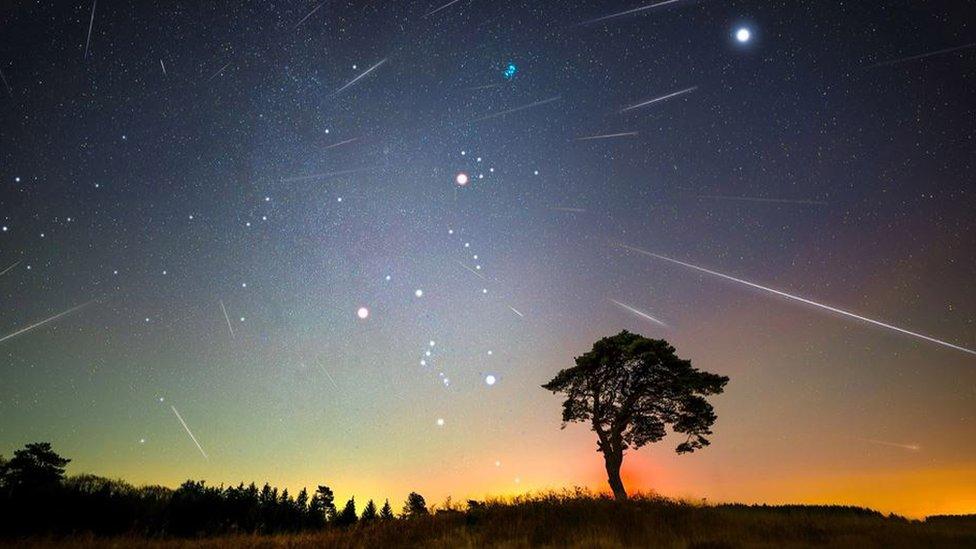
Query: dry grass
pixel 574 519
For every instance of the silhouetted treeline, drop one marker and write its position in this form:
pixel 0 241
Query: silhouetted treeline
pixel 36 498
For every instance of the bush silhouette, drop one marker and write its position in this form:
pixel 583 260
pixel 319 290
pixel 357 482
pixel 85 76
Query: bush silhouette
pixel 415 506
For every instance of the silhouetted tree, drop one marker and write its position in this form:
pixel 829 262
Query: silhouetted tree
pixel 347 517
pixel 631 388
pixel 34 467
pixel 369 512
pixel 301 509
pixel 325 501
pixel 386 513
pixel 35 498
pixel 316 511
pixel 415 506
pixel 3 472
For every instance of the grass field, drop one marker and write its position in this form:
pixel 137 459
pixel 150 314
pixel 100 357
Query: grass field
pixel 580 520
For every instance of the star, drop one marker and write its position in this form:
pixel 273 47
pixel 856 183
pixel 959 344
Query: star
pixel 362 313
pixel 743 35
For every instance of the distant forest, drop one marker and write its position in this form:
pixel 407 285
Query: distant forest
pixel 37 498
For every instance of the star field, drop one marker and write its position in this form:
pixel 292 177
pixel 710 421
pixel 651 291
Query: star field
pixel 347 241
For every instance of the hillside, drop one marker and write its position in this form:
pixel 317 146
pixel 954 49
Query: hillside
pixel 579 520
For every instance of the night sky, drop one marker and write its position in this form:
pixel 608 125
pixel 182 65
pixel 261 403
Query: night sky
pixel 213 190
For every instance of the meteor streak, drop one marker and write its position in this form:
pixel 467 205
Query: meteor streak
pixel 354 80
pixel 45 321
pixel 912 447
pixel 662 98
pixel 628 12
pixel 921 56
pixel 607 136
pixel 516 109
pixel 91 23
pixel 486 86
pixel 328 375
pixel 334 145
pixel 163 65
pixel 220 70
pixel 227 318
pixel 193 438
pixel 449 4
pixel 514 310
pixel 474 272
pixel 325 175
pixel 309 15
pixel 6 85
pixel 760 199
pixel 563 209
pixel 3 272
pixel 802 300
pixel 641 314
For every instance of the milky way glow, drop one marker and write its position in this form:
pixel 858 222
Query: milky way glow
pixel 278 206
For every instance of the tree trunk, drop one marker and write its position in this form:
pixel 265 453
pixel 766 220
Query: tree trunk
pixel 613 461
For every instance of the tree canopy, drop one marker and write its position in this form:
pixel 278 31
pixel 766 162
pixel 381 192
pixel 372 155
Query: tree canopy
pixel 631 389
pixel 415 506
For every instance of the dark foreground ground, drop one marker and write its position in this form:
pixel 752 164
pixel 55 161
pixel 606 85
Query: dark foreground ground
pixel 573 521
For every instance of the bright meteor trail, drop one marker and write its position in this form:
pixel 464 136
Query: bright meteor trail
pixel 447 5
pixel 91 23
pixel 641 314
pixel 662 98
pixel 227 318
pixel 354 80
pixel 5 271
pixel 193 438
pixel 309 15
pixel 802 300
pixel 628 12
pixel 45 321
